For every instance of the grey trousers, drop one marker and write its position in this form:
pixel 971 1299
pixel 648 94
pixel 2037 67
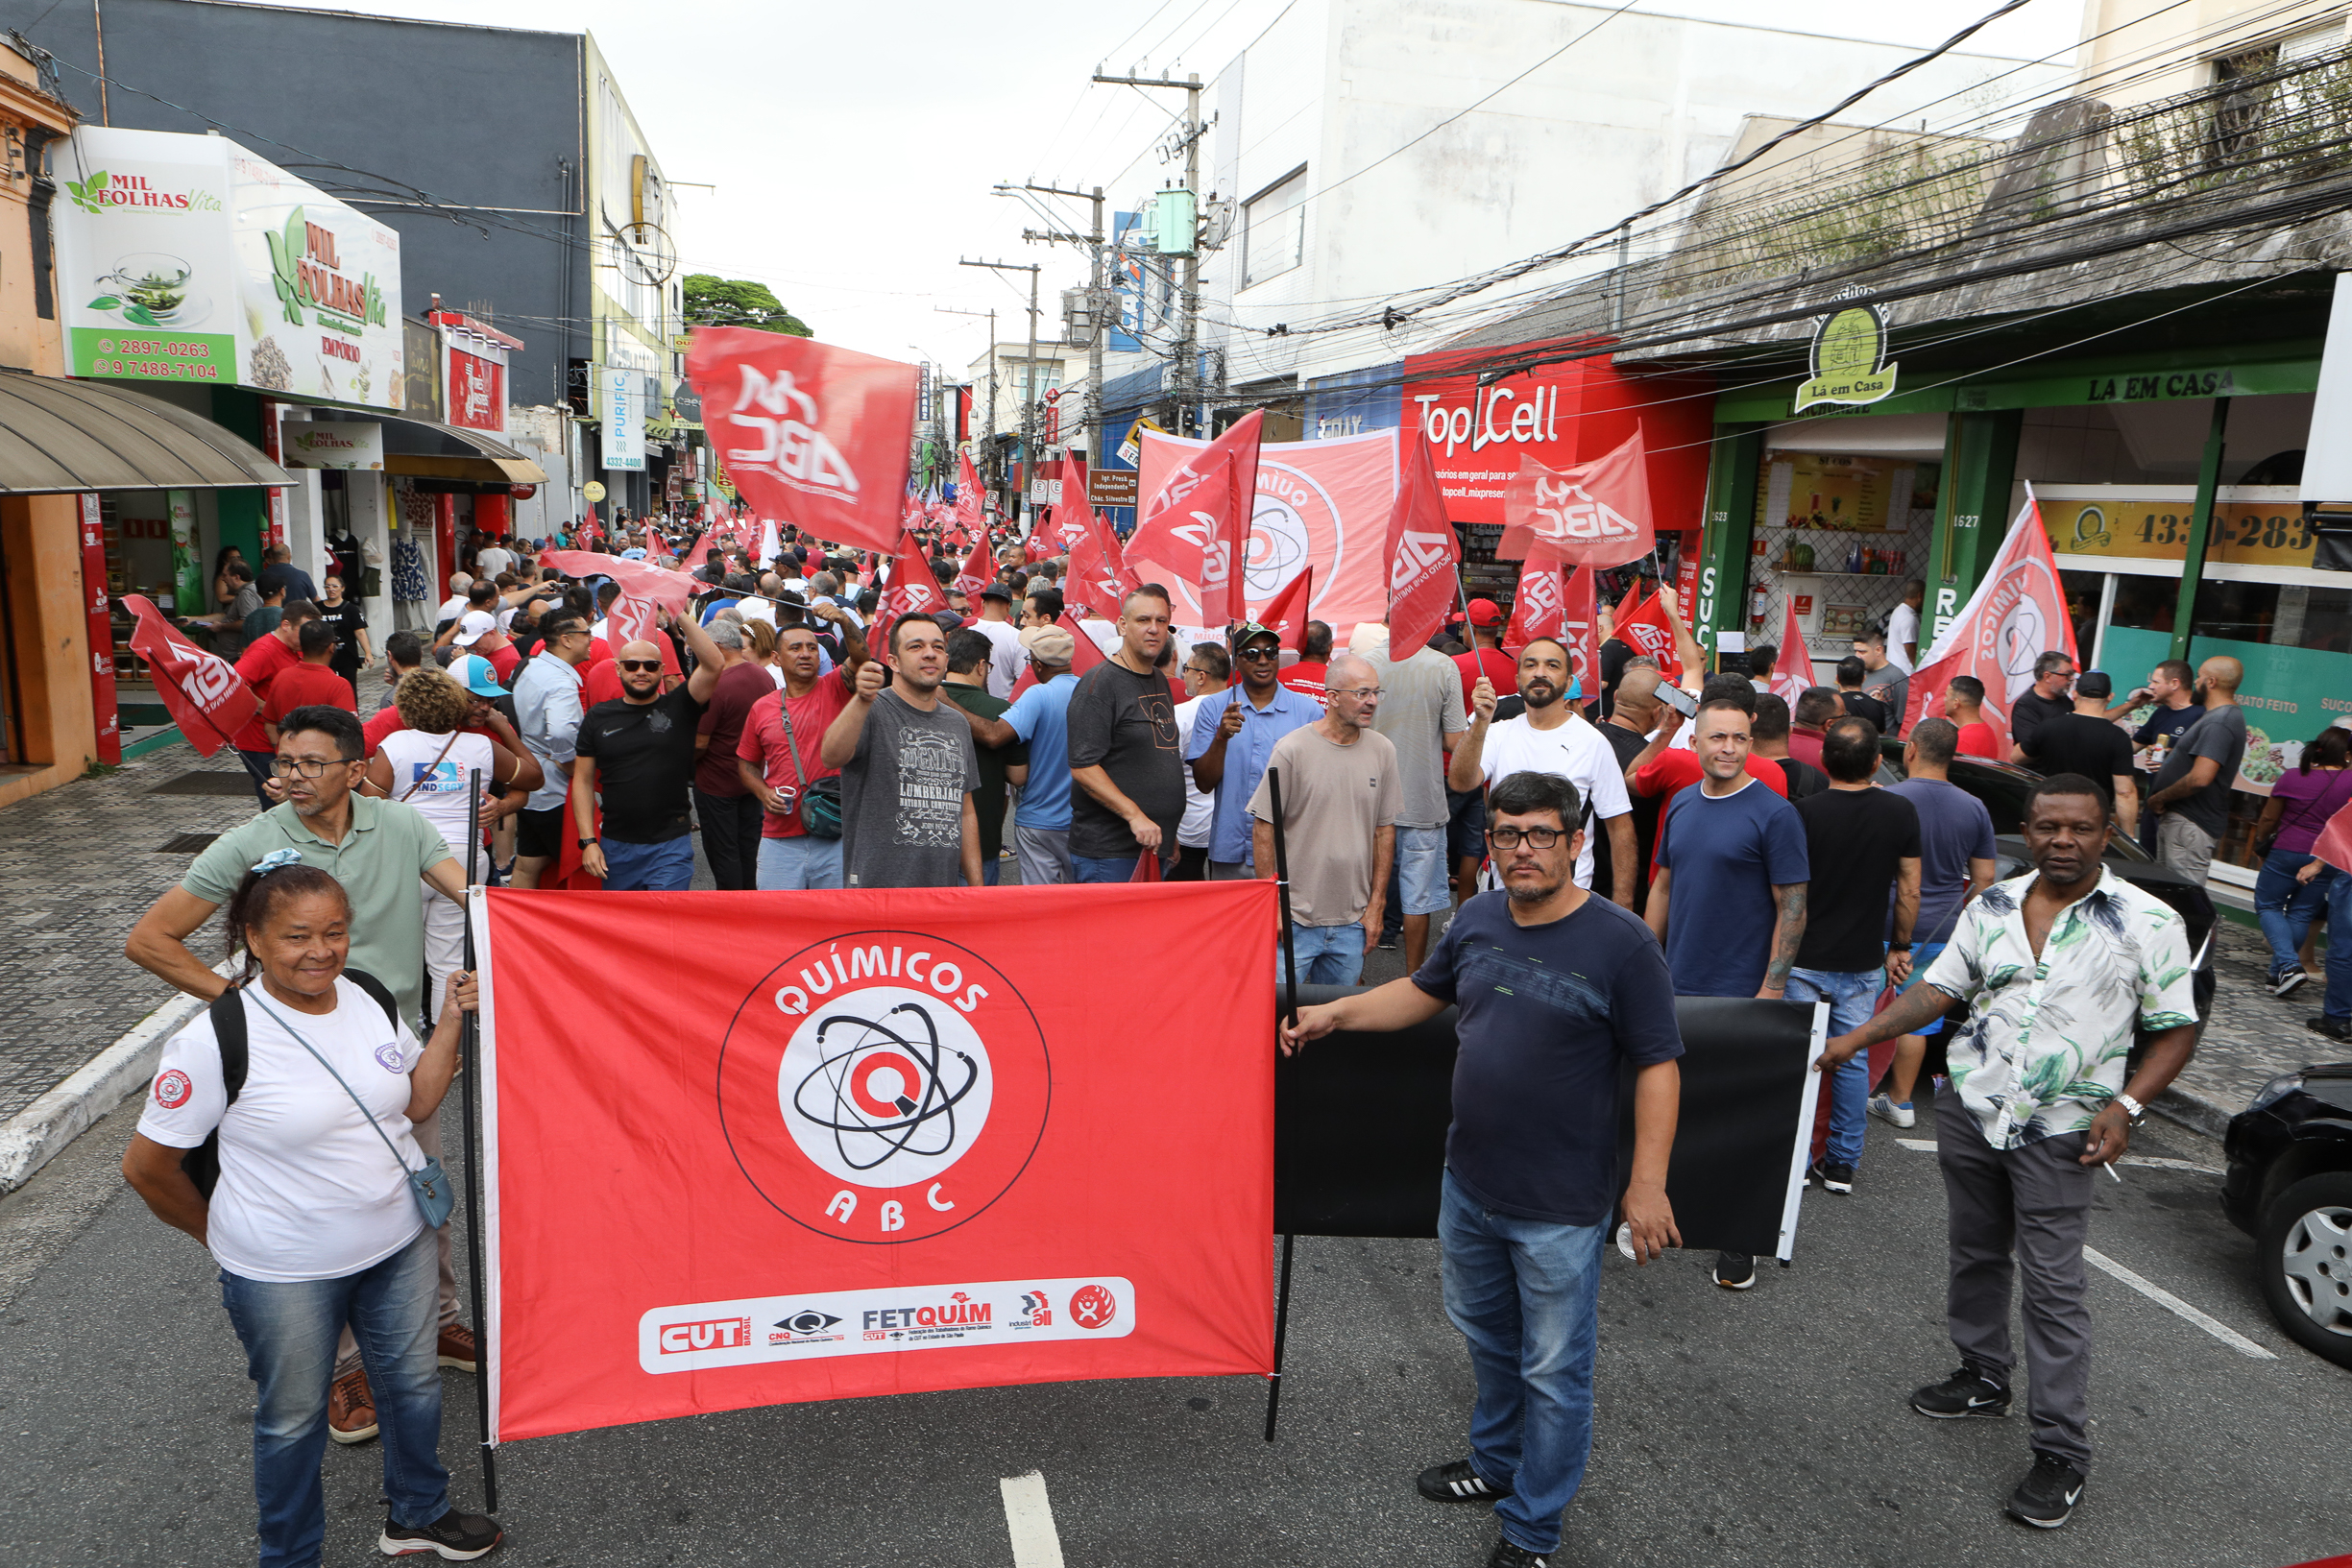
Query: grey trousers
pixel 1044 853
pixel 2033 1202
pixel 2184 846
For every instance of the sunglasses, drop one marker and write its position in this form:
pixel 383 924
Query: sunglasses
pixel 1254 654
pixel 639 663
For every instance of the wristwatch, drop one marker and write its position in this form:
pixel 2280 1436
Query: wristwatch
pixel 585 842
pixel 1899 947
pixel 2131 1107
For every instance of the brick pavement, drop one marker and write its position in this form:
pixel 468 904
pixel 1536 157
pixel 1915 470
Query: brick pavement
pixel 78 865
pixel 2252 1035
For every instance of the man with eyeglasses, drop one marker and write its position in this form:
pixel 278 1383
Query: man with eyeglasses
pixel 1559 991
pixel 548 713
pixel 2050 695
pixel 1232 737
pixel 1341 791
pixel 638 751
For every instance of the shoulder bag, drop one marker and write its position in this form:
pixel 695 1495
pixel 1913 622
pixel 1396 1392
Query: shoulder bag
pixel 820 803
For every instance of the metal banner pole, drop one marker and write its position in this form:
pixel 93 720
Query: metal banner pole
pixel 468 1047
pixel 1282 1323
pixel 1290 1014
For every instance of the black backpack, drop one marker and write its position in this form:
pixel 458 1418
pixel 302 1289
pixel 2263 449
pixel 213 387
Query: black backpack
pixel 202 1163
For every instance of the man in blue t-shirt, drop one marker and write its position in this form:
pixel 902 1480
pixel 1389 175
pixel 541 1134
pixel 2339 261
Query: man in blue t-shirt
pixel 1556 990
pixel 1727 897
pixel 1040 718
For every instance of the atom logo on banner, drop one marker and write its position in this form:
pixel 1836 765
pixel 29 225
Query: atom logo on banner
pixel 905 1096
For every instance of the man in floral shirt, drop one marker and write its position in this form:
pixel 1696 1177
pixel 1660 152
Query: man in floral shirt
pixel 2059 968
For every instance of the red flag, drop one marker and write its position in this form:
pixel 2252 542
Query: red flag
pixel 913 592
pixel 2017 614
pixel 207 700
pixel 924 1167
pixel 1196 524
pixel 1070 513
pixel 1539 609
pixel 979 569
pixel 1039 546
pixel 637 579
pixel 808 432
pixel 1098 575
pixel 968 512
pixel 1424 552
pixel 1596 513
pixel 1088 653
pixel 1580 628
pixel 1792 670
pixel 2334 845
pixel 1648 631
pixel 1286 614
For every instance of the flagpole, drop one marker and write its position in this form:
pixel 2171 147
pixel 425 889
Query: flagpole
pixel 469 1063
pixel 1290 1013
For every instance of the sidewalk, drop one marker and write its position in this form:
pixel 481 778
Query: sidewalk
pixel 2251 1038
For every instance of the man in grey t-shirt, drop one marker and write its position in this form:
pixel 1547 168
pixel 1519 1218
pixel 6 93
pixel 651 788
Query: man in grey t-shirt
pixel 2192 790
pixel 909 772
pixel 1421 714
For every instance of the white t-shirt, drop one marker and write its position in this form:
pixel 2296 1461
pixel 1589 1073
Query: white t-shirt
pixel 493 560
pixel 437 789
pixel 760 609
pixel 1194 830
pixel 306 1190
pixel 1005 659
pixel 451 609
pixel 1902 626
pixel 1576 752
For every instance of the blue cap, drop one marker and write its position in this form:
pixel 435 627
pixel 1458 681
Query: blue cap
pixel 635 552
pixel 477 675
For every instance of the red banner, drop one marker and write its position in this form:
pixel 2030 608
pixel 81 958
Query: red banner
pixel 1100 578
pixel 1538 609
pixel 1792 667
pixel 881 1144
pixel 637 579
pixel 1424 555
pixel 1648 631
pixel 1197 521
pixel 1596 513
pixel 913 589
pixel 816 435
pixel 1088 653
pixel 2017 614
pixel 1580 629
pixel 103 706
pixel 979 568
pixel 207 700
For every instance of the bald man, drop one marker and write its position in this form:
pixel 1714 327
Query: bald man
pixel 638 751
pixel 2191 793
pixel 1628 728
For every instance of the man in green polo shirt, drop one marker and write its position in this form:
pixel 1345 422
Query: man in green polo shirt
pixel 377 850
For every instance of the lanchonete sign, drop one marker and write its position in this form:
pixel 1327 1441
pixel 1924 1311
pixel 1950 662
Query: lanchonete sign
pixel 186 258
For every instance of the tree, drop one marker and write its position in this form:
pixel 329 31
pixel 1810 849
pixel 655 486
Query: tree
pixel 712 301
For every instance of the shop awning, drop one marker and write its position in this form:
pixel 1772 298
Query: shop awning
pixel 428 449
pixel 60 436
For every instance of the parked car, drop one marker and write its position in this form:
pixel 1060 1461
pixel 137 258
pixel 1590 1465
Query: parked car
pixel 2289 1187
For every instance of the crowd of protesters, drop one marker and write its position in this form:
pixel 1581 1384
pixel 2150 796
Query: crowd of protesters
pixel 1559 851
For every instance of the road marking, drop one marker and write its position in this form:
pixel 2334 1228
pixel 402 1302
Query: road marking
pixel 1926 1146
pixel 1029 1518
pixel 2220 1330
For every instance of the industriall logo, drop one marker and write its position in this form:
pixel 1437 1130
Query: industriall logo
pixel 884 1087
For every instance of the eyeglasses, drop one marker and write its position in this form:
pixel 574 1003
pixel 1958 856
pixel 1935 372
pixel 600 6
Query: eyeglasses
pixel 1509 838
pixel 1259 653
pixel 308 767
pixel 1362 693
pixel 639 663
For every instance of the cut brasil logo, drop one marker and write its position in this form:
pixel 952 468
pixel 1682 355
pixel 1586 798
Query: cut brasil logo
pixel 882 1087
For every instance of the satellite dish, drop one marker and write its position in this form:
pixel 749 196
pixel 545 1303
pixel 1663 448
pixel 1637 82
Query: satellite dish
pixel 648 255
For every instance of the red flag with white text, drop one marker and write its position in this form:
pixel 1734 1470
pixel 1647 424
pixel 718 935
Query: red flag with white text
pixel 1539 609
pixel 1580 630
pixel 637 579
pixel 969 513
pixel 1596 513
pixel 808 432
pixel 1424 555
pixel 1100 578
pixel 913 589
pixel 868 1142
pixel 1650 633
pixel 206 697
pixel 2017 614
pixel 1196 524
pixel 979 568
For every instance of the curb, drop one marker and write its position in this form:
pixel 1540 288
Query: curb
pixel 39 1132
pixel 2191 1111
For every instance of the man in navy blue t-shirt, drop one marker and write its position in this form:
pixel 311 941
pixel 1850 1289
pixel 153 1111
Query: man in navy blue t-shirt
pixel 1556 990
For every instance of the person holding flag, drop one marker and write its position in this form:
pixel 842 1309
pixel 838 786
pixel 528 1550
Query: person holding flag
pixel 1232 737
pixel 1551 736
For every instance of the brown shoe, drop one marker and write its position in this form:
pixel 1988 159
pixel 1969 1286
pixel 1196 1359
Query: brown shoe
pixel 457 1346
pixel 350 1409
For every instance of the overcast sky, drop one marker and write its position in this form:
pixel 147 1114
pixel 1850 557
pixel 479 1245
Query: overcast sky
pixel 854 146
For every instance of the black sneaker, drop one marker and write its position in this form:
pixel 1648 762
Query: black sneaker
pixel 2046 1498
pixel 1509 1554
pixel 2286 980
pixel 1967 1392
pixel 2335 1029
pixel 1835 1178
pixel 1455 1481
pixel 1735 1270
pixel 459 1537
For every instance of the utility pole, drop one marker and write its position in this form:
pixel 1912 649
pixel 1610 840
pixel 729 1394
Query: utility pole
pixel 1186 377
pixel 1029 405
pixel 1097 293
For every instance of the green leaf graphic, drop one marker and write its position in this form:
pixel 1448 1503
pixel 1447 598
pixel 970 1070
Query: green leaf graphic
pixel 142 315
pixel 104 302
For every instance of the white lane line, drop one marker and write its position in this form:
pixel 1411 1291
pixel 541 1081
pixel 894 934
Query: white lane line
pixel 1926 1146
pixel 1029 1518
pixel 2166 1300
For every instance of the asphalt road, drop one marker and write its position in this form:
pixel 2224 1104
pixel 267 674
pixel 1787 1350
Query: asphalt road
pixel 1768 1427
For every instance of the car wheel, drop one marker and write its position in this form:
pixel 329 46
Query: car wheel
pixel 2304 1256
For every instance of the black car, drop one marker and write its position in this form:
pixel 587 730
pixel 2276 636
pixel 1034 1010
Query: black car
pixel 2289 1187
pixel 2003 789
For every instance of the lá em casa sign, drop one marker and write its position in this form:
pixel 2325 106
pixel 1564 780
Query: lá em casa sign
pixel 1848 359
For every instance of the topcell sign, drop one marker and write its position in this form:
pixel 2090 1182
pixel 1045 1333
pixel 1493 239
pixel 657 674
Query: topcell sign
pixel 1477 434
pixel 186 258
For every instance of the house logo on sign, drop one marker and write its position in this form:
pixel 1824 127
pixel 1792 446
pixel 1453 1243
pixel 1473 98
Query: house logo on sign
pixel 1568 511
pixel 793 450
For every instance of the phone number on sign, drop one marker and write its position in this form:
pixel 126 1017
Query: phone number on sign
pixel 155 345
pixel 166 369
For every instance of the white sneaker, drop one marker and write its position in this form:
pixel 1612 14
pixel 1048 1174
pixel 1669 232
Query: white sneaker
pixel 1885 1109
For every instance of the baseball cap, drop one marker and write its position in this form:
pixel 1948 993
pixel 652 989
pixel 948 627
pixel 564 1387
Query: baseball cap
pixel 1486 612
pixel 476 625
pixel 2094 683
pixel 997 590
pixel 1248 629
pixel 477 675
pixel 635 552
pixel 1049 645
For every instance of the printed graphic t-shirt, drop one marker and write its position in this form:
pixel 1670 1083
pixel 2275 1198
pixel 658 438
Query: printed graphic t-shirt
pixel 902 796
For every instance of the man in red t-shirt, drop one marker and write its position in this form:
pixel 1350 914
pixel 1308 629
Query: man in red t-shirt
pixel 778 771
pixel 1810 715
pixel 1306 677
pixel 1486 656
pixel 1964 706
pixel 263 659
pixel 307 683
pixel 729 812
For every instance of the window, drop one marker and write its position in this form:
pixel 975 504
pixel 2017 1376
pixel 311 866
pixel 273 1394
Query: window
pixel 1275 229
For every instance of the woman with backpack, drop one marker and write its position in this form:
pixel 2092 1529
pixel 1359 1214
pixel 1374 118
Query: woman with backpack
pixel 279 1133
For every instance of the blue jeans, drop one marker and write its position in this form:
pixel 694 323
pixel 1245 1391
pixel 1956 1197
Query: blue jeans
pixel 1326 955
pixel 1526 1295
pixel 1852 997
pixel 1119 868
pixel 2286 908
pixel 289 1331
pixel 799 862
pixel 666 867
pixel 2338 1003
